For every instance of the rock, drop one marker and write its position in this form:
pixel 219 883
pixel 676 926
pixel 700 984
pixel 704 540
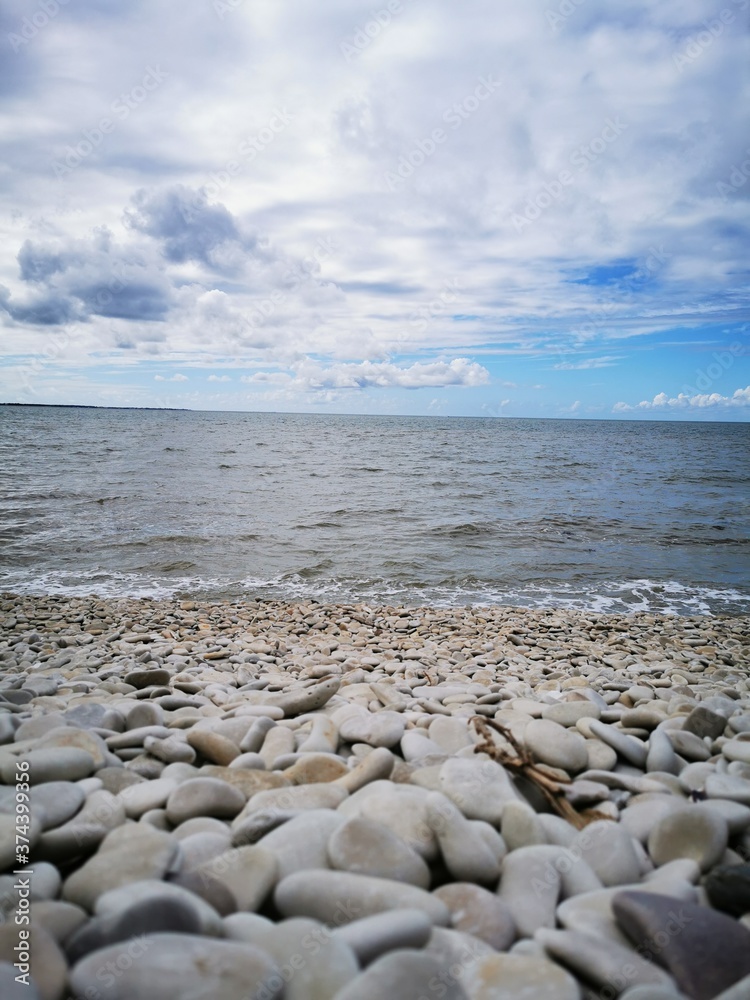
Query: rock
pixel 639 818
pixel 302 842
pixel 140 798
pixel 705 951
pixel 322 738
pixel 703 722
pixel 321 963
pixel 401 975
pixel 165 966
pixel 533 879
pixel 627 747
pixel 607 965
pixel 58 918
pixel 101 813
pixel 661 755
pixel 128 854
pixel 480 913
pixel 692 832
pixel 10 988
pixel 213 747
pixel 728 888
pixel 376 766
pixel 326 795
pixel 204 797
pixel 377 729
pixel 81 739
pixel 315 768
pixel 336 898
pixel 366 847
pixel 601 756
pixel 156 677
pixel 472 850
pixel 609 852
pixel 305 699
pixel 689 746
pixel 737 750
pixel 115 902
pixel 402 808
pixel 202 847
pixel 371 937
pixel 567 713
pixel 480 788
pixel 555 745
pixel 518 977
pixel 246 927
pixel 248 872
pixel 521 826
pixel 171 750
pixel 727 786
pixel 59 800
pixel 450 734
pixel 52 764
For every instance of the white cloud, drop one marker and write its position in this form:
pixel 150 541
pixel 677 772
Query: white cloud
pixel 312 377
pixel 219 378
pixel 700 401
pixel 587 363
pixel 175 378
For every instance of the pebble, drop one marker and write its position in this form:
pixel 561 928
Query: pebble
pixel 203 797
pixel 627 747
pixel 366 847
pixel 314 964
pixel 339 897
pixel 115 902
pixel 401 975
pixel 555 745
pixel 249 873
pixel 695 832
pixel 49 969
pixel 51 764
pixel 472 850
pixel 165 966
pixel 704 950
pixel 518 977
pixel 377 729
pixel 302 842
pixel 478 912
pixel 728 888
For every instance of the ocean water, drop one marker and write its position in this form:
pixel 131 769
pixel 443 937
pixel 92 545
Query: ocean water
pixel 604 515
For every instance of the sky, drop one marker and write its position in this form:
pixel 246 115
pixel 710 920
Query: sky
pixel 492 208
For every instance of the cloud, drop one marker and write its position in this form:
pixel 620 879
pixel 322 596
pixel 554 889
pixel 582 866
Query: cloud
pixel 219 378
pixel 587 364
pixel 700 401
pixel 175 378
pixel 311 377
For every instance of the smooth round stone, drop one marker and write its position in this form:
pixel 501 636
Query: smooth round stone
pixel 302 842
pixel 401 975
pixel 215 748
pixel 150 916
pixel 518 977
pixel 51 764
pixel 314 768
pixel 450 734
pixel 165 966
pixel 377 729
pixel 555 745
pixel 157 677
pixel 245 927
pixel 248 872
pixel 640 818
pixel 609 851
pixel 704 722
pixel 728 786
pixel 38 725
pixel 737 750
pixel 122 900
pixel 202 847
pixel 728 889
pixel 480 788
pixel 661 755
pixel 200 824
pixel 48 966
pixel 323 736
pixel 472 850
pixel 372 937
pixel 128 854
pixel 628 747
pixel 736 815
pixel 146 795
pixel 101 813
pixel 114 779
pixel 81 739
pixel 567 713
pixel 376 766
pixel 416 747
pixel 601 757
pixel 339 897
pixel 324 795
pixel 59 800
pixel 45 882
pixel 144 713
pixel 249 761
pixel 478 912
pixel 366 847
pixel 521 827
pixel 328 965
pixel 689 746
pixel 11 989
pixel 642 717
pixel 248 782
pixel 704 950
pixel 256 734
pixel 692 832
pixel 400 807
pixel 58 918
pixel 204 797
pixel 171 750
pixel 693 777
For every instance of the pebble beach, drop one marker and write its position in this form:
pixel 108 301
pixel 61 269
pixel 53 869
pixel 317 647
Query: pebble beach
pixel 252 800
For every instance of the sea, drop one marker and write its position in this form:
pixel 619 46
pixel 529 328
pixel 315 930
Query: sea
pixel 613 516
